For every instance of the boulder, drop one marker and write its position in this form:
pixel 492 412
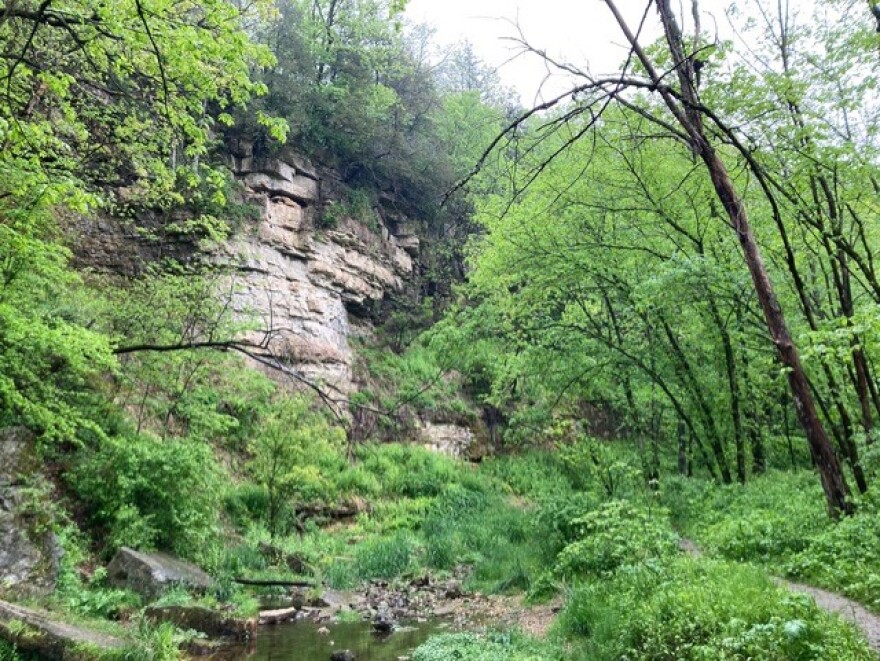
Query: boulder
pixel 278 615
pixel 40 633
pixel 342 655
pixel 29 554
pixel 337 600
pixel 383 622
pixel 206 620
pixel 151 574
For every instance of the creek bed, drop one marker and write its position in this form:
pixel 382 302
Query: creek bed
pixel 300 641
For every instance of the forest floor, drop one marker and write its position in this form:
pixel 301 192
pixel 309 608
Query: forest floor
pixel 849 610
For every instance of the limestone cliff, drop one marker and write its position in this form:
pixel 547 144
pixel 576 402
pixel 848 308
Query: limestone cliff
pixel 311 286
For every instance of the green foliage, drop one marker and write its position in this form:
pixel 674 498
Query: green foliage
pixel 290 455
pixel 766 520
pixel 489 647
pixel 842 557
pixel 407 471
pixel 201 393
pixel 698 609
pixel 384 557
pixel 148 493
pixel 413 380
pixel 357 204
pixel 50 362
pixel 483 530
pixel 616 534
pixel 534 474
pixel 778 521
pixel 591 463
pixel 9 653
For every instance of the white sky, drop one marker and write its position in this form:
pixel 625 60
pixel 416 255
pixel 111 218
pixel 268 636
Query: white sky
pixel 582 32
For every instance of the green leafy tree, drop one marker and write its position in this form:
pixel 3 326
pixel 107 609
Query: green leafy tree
pixel 287 451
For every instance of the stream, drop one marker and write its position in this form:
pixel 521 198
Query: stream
pixel 300 641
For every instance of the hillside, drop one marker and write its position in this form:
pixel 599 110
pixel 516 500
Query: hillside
pixel 315 343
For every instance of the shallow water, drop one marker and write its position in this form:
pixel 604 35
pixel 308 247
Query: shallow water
pixel 300 641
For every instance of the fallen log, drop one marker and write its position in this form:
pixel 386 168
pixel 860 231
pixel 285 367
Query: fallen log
pixel 269 582
pixel 278 616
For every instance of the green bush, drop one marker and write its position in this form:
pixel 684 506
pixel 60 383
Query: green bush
pixel 147 492
pixel 555 520
pixel 767 519
pixel 491 647
pixel 702 610
pixel 616 534
pixel 844 558
pixel 9 653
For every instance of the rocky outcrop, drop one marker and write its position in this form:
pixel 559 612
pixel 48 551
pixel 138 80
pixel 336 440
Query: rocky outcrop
pixel 206 620
pixel 151 574
pixel 450 439
pixel 312 287
pixel 29 554
pixel 40 633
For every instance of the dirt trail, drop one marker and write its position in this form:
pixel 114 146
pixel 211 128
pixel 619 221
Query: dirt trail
pixel 849 610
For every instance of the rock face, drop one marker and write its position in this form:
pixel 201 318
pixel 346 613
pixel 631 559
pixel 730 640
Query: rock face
pixel 449 439
pixel 38 632
pixel 312 287
pixel 206 620
pixel 28 558
pixel 151 574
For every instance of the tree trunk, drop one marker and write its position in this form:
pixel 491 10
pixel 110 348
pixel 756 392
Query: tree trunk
pixel 830 473
pixel 733 385
pixel 689 115
pixel 682 448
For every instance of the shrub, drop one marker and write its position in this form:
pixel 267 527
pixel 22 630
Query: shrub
pixel 555 520
pixel 616 534
pixel 765 520
pixel 292 453
pixel 843 557
pixel 146 492
pixel 486 531
pixel 698 609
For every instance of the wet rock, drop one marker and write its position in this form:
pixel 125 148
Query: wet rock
pixel 29 556
pixel 324 631
pixel 40 633
pixel 151 574
pixel 383 622
pixel 342 655
pixel 453 590
pixel 206 620
pixel 421 581
pixel 278 616
pixel 336 600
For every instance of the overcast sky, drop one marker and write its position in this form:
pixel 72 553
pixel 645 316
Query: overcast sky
pixel 579 31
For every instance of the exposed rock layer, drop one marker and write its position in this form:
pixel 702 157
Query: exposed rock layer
pixel 28 555
pixel 38 632
pixel 312 287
